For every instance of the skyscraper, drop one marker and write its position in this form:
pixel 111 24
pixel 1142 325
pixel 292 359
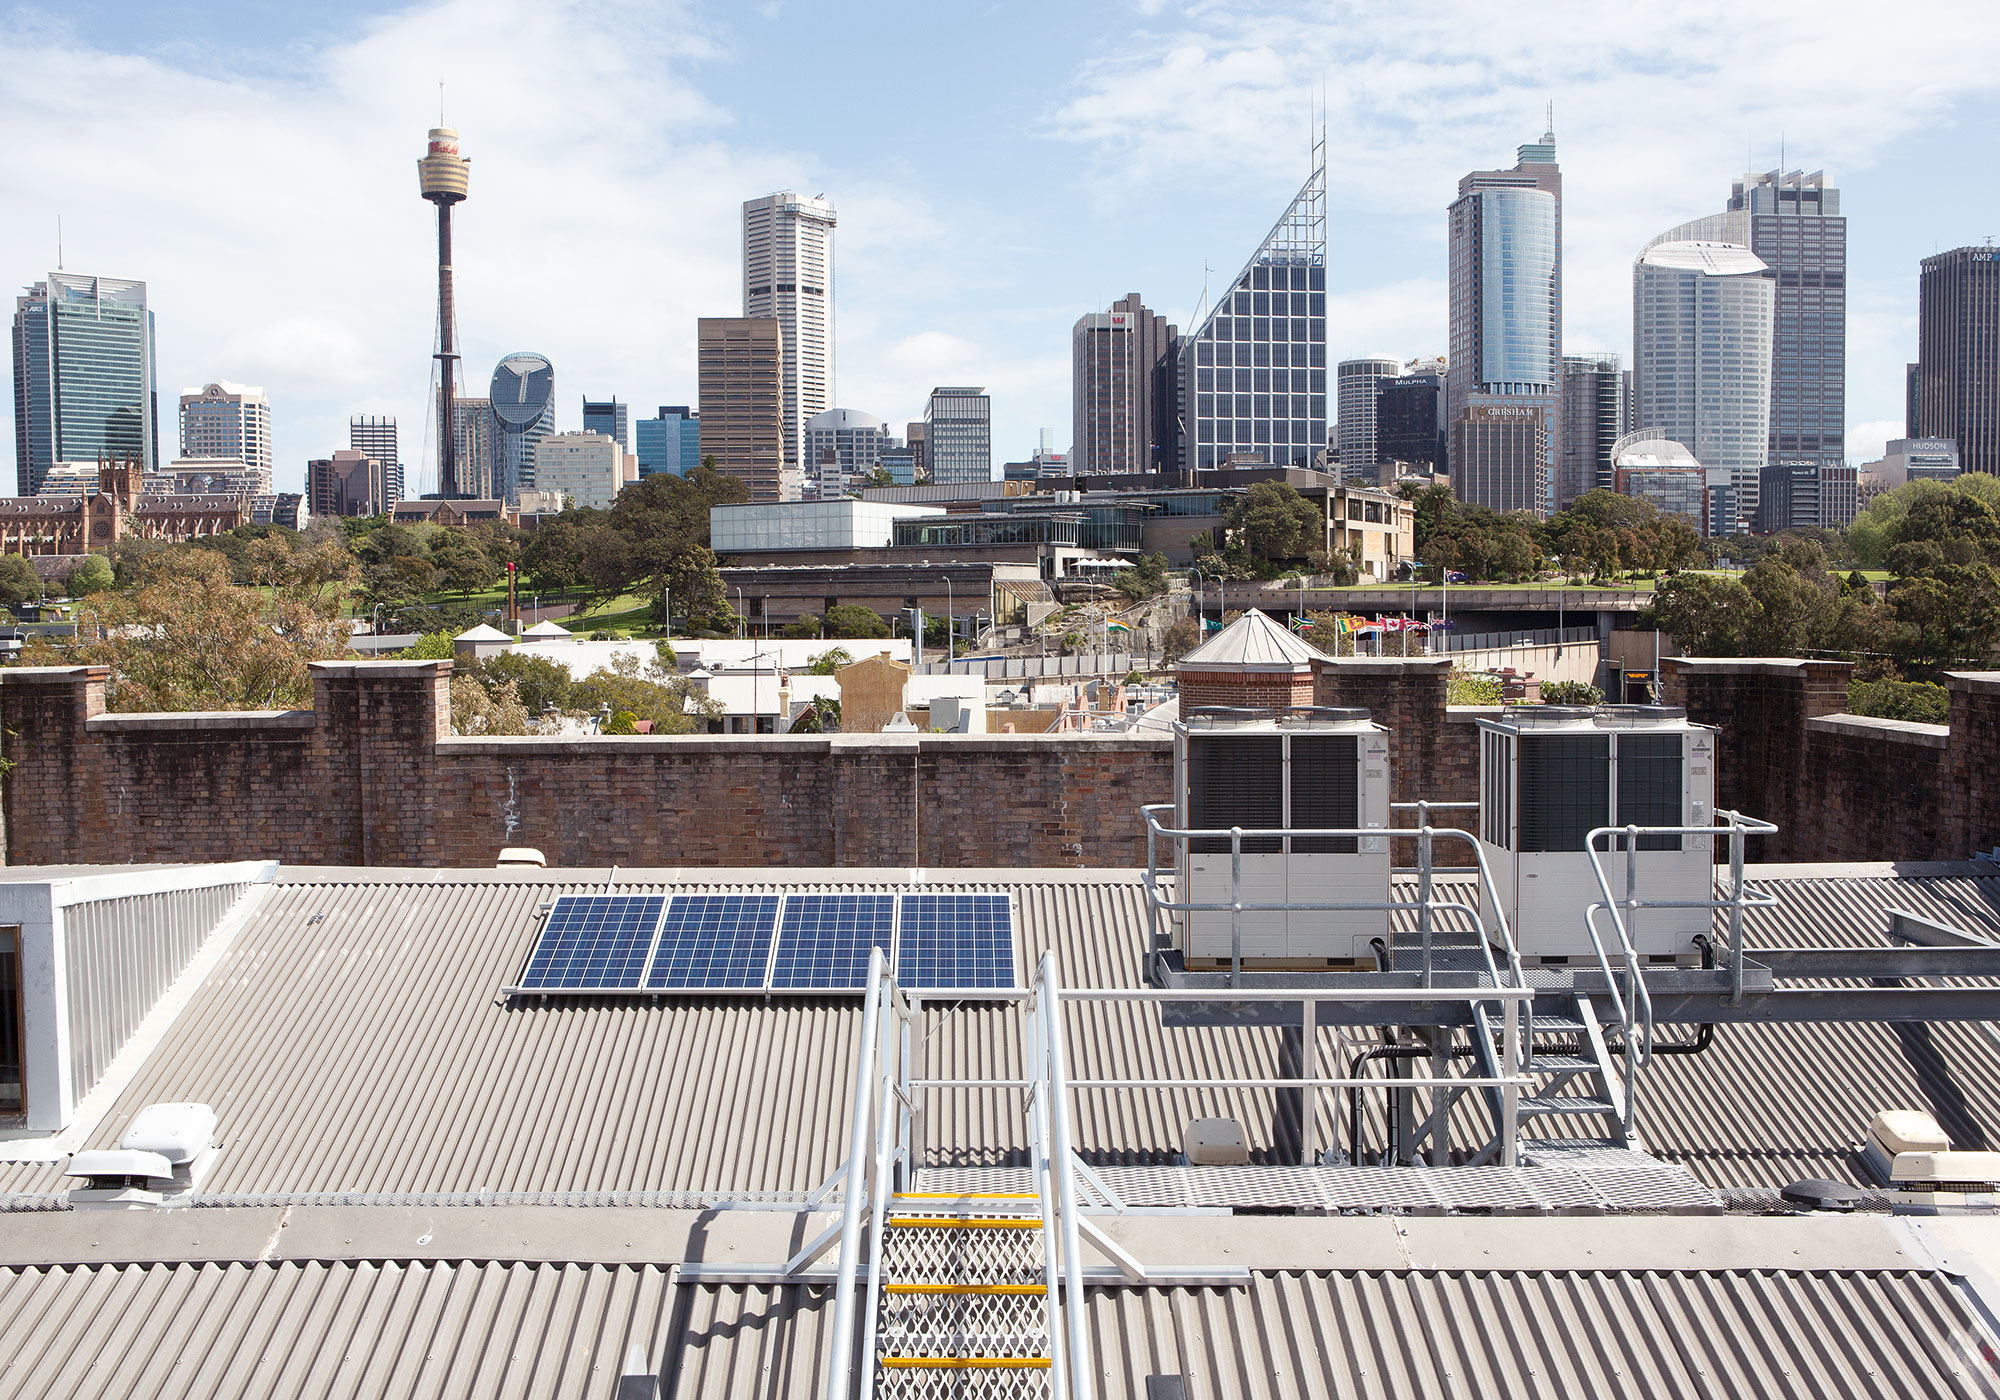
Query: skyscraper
pixel 1701 363
pixel 1409 417
pixel 841 445
pixel 1357 384
pixel 669 442
pixel 1253 373
pixel 1122 390
pixel 1955 384
pixel 1793 223
pixel 958 436
pixel 524 412
pixel 1506 306
pixel 375 438
pixel 230 421
pixel 788 273
pixel 83 375
pixel 742 368
pixel 607 416
pixel 475 446
pixel 1592 420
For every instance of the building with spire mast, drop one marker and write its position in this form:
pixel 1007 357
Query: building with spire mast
pixel 444 175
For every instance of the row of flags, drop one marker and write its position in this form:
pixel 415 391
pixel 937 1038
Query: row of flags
pixel 1347 625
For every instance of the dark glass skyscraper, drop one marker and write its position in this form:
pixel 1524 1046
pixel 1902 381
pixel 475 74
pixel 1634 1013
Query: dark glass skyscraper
pixel 1954 389
pixel 1592 421
pixel 608 417
pixel 1253 372
pixel 83 375
pixel 1506 316
pixel 1797 228
pixel 524 412
pixel 1409 419
pixel 1122 390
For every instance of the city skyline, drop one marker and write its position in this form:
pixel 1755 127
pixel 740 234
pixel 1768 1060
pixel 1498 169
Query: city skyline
pixel 353 334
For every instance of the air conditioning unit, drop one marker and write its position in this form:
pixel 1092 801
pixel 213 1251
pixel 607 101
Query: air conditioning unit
pixel 1550 775
pixel 1315 768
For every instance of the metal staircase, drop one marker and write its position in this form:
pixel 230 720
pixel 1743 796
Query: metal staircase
pixel 1567 1052
pixel 964 1303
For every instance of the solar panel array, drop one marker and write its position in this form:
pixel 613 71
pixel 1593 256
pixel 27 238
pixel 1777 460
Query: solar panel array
pixel 771 942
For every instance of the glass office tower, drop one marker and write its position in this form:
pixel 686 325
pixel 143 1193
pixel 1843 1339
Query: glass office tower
pixel 524 412
pixel 670 442
pixel 1253 372
pixel 83 375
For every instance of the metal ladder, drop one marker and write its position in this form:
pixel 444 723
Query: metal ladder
pixel 1567 1045
pixel 964 1300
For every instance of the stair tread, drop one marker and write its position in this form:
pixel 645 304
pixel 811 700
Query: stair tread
pixel 1545 1063
pixel 1565 1103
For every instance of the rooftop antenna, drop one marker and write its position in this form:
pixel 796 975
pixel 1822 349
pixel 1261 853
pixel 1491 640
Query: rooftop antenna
pixel 1550 114
pixel 59 260
pixel 441 120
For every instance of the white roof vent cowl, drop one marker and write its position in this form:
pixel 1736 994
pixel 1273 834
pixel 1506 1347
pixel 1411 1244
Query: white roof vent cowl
pixel 179 1132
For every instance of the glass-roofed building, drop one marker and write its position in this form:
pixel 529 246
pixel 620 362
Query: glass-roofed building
pixel 1253 373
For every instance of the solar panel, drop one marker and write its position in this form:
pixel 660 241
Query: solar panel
pixel 824 939
pixel 956 940
pixel 595 940
pixel 714 941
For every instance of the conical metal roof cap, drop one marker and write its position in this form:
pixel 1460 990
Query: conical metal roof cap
pixel 1253 643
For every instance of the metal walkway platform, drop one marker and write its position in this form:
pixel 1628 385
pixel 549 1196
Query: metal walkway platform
pixel 1574 1180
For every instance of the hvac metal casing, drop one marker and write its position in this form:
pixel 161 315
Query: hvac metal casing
pixel 1547 777
pixel 1318 769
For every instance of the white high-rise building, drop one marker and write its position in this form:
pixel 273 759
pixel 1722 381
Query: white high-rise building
pixel 588 469
pixel 788 274
pixel 1356 383
pixel 230 421
pixel 1702 318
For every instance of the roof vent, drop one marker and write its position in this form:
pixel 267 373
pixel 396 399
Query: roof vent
pixel 521 857
pixel 1817 1194
pixel 1907 1149
pixel 1215 1142
pixel 166 1151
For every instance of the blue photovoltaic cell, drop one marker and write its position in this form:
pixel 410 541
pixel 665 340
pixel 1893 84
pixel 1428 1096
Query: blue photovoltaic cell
pixel 714 940
pixel 956 940
pixel 824 940
pixel 595 940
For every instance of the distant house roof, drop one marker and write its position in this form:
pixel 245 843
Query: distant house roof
pixel 484 632
pixel 548 631
pixel 1253 643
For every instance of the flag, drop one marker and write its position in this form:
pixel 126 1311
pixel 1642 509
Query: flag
pixel 1116 626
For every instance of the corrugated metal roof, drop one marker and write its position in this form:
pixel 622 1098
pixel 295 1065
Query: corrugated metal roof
pixel 329 1329
pixel 352 1040
pixel 1442 1334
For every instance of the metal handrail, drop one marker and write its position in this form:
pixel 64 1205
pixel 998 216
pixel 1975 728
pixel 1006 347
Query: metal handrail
pixel 1039 1162
pixel 1635 1003
pixel 1054 1092
pixel 839 1374
pixel 1425 906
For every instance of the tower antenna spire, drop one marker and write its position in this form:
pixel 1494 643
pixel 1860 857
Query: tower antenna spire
pixel 1549 114
pixel 59 260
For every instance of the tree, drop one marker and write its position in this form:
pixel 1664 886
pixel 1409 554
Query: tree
pixel 553 555
pixel 91 575
pixel 1144 579
pixel 19 583
pixel 189 638
pixel 462 566
pixel 540 684
pixel 1433 506
pixel 477 710
pixel 432 646
pixel 1948 616
pixel 1274 523
pixel 1708 616
pixel 853 620
pixel 646 690
pixel 830 661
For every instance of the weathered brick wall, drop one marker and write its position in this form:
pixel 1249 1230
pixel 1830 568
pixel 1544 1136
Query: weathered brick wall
pixel 370 776
pixel 1876 790
pixel 1261 690
pixel 1974 773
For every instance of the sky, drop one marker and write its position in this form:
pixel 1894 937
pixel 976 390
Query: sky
pixel 999 170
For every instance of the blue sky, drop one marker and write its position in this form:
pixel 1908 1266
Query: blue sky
pixel 999 170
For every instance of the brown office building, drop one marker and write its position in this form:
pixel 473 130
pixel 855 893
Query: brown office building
pixel 1499 455
pixel 351 483
pixel 1122 391
pixel 1955 384
pixel 742 361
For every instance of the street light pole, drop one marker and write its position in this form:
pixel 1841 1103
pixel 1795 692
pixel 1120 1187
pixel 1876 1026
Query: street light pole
pixel 950 622
pixel 739 614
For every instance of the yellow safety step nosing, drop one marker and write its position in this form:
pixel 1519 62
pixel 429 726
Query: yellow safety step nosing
pixel 1010 1289
pixel 959 1222
pixel 966 1363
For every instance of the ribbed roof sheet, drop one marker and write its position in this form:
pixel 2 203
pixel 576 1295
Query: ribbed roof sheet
pixel 1527 1335
pixel 1252 643
pixel 353 1039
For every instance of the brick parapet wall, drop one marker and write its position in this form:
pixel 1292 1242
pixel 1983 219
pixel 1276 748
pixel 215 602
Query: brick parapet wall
pixel 370 777
pixel 1406 697
pixel 1258 690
